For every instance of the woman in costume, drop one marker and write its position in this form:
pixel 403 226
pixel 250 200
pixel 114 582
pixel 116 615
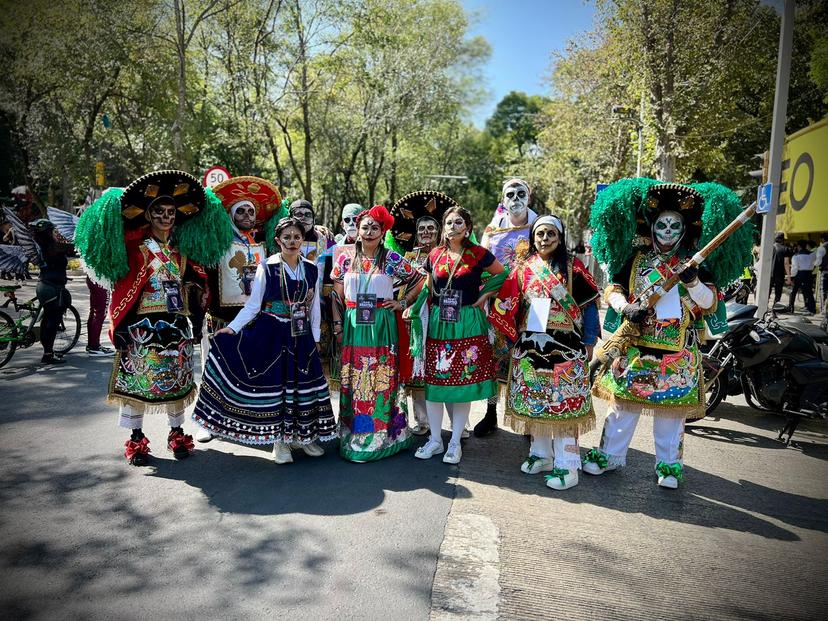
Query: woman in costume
pixel 547 308
pixel 263 383
pixel 372 413
pixel 644 231
pixel 459 366
pixel 415 233
pixel 149 241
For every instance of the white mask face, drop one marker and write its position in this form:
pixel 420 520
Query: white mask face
pixel 349 216
pixel 516 200
pixel 668 228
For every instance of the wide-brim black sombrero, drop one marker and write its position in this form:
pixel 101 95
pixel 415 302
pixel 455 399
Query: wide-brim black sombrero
pixel 672 197
pixel 182 188
pixel 412 207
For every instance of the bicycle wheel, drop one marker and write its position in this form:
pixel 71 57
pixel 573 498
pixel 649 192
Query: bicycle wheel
pixel 8 338
pixel 68 331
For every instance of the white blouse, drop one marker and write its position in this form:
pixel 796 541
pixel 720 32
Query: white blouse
pixel 253 306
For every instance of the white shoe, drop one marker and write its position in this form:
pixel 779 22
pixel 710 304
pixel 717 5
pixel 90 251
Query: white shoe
pixel 536 464
pixel 591 467
pixel 669 481
pixel 465 433
pixel 312 449
pixel 453 454
pixel 562 479
pixel 281 453
pixel 420 430
pixel 202 435
pixel 429 450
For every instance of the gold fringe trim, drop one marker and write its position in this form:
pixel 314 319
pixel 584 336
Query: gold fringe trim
pixel 572 427
pixel 164 407
pixel 649 409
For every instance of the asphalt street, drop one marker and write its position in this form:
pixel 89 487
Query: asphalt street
pixel 227 534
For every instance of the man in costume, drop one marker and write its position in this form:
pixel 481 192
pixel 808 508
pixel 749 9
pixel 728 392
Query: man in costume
pixel 250 203
pixel 415 232
pixel 509 227
pixel 644 231
pixel 150 241
pixel 348 224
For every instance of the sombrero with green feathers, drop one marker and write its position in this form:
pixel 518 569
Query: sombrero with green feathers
pixel 402 236
pixel 624 211
pixel 204 235
pixel 172 186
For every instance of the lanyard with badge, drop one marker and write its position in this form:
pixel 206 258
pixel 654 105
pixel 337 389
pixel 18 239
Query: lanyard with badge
pixel 450 299
pixel 366 303
pixel 299 319
pixel 172 285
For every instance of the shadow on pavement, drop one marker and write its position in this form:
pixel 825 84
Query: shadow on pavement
pixel 255 485
pixel 704 499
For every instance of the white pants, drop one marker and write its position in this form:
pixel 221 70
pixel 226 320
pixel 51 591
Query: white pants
pixel 564 450
pixel 458 415
pixel 668 434
pixel 130 418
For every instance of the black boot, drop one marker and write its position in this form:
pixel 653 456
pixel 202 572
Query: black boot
pixel 489 422
pixel 52 359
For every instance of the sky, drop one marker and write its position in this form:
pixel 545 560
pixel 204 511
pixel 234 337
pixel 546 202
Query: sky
pixel 523 35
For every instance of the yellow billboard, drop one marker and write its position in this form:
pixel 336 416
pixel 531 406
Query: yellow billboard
pixel 803 191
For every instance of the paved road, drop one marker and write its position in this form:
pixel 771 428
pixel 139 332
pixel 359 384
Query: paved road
pixel 228 534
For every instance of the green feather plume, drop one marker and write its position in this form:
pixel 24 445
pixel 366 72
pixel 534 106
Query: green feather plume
pixel 207 237
pixel 99 237
pixel 721 207
pixel 392 244
pixel 613 221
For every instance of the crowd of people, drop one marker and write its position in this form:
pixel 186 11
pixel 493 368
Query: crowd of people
pixel 403 303
pixel 794 265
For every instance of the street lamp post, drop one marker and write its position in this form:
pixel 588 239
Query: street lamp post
pixel 628 114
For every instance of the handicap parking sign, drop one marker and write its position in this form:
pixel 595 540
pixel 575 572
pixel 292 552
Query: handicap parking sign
pixel 764 197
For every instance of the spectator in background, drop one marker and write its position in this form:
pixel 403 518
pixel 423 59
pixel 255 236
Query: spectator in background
pixel 780 267
pixel 821 260
pixel 802 272
pixel 98 301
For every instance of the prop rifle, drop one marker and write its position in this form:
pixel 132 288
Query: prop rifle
pixel 616 345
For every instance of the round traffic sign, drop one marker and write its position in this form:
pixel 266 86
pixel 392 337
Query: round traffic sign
pixel 214 176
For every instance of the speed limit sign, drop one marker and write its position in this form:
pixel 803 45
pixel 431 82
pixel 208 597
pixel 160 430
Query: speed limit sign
pixel 214 176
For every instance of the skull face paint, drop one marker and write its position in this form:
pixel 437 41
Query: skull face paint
pixel 427 229
pixel 348 222
pixel 162 218
pixel 244 215
pixel 516 201
pixel 546 238
pixel 668 228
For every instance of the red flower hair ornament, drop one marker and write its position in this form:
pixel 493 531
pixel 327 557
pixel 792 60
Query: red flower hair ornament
pixel 380 215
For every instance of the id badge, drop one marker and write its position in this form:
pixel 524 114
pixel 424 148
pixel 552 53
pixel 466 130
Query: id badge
pixel 299 323
pixel 248 274
pixel 172 294
pixel 366 308
pixel 450 305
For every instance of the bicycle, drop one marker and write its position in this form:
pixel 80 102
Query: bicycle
pixel 14 334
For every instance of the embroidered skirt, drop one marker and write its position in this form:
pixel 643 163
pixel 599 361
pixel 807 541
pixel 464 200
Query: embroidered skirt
pixel 153 367
pixel 372 410
pixel 548 389
pixel 655 382
pixel 459 363
pixel 263 385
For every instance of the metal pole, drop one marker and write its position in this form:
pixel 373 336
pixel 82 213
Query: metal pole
pixel 780 108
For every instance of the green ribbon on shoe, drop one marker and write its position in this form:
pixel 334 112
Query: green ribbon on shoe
pixel 558 473
pixel 597 457
pixel 531 460
pixel 669 470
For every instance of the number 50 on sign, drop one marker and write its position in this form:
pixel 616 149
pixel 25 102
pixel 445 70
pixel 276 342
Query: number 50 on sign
pixel 214 176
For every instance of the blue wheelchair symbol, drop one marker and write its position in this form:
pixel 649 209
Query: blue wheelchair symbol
pixel 764 197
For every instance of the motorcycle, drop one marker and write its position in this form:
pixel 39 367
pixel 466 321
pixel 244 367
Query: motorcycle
pixel 780 367
pixel 739 290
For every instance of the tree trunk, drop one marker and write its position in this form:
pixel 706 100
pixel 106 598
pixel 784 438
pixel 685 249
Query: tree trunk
pixel 392 186
pixel 181 110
